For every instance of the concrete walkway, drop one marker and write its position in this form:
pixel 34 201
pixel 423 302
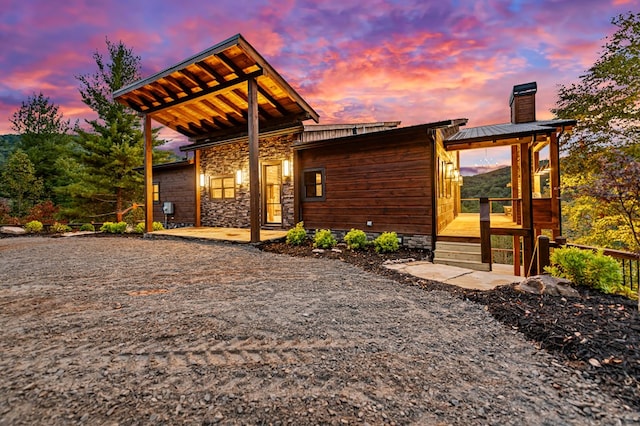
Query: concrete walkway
pixel 465 278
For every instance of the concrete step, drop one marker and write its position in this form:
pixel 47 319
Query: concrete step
pixel 458 255
pixel 458 247
pixel 476 266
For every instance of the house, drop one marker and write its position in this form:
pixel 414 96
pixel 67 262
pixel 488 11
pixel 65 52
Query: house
pixel 256 164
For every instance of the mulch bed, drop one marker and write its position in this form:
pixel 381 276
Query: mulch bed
pixel 596 334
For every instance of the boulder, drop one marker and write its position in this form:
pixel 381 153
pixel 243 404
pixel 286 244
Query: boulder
pixel 546 284
pixel 12 230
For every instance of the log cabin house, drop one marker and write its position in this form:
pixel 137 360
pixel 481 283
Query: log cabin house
pixel 256 164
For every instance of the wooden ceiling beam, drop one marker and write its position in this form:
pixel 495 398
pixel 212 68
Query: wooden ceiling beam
pixel 459 146
pixel 194 79
pixel 272 100
pixel 221 115
pixel 183 87
pixel 233 106
pixel 230 64
pixel 209 70
pixel 194 95
pixel 261 111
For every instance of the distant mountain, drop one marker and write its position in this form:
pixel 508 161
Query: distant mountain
pixel 491 184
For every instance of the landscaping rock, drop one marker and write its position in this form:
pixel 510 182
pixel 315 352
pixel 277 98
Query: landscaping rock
pixel 12 230
pixel 546 284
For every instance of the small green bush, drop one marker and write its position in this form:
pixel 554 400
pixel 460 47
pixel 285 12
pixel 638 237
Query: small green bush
pixel 296 236
pixel 324 239
pixel 356 239
pixel 585 267
pixel 59 228
pixel 139 228
pixel 114 228
pixel 88 227
pixel 157 226
pixel 33 227
pixel 386 242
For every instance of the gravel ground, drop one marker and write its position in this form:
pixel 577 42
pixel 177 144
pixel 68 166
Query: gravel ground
pixel 132 331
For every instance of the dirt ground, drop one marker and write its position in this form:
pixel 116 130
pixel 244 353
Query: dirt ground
pixel 137 331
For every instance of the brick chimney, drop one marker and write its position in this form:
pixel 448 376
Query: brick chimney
pixel 523 103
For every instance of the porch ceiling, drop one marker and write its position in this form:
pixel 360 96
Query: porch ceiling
pixel 504 134
pixel 207 95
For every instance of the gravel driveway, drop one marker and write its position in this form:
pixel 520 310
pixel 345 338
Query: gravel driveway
pixel 133 331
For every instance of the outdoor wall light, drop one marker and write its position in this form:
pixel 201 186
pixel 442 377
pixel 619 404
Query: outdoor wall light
pixel 448 171
pixel 239 177
pixel 202 179
pixel 286 168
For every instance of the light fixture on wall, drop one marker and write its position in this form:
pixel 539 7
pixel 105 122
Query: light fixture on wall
pixel 238 177
pixel 286 168
pixel 448 171
pixel 202 179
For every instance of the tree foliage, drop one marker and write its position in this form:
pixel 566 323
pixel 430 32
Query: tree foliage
pixel 601 171
pixel 606 100
pixel 44 137
pixel 112 147
pixel 20 183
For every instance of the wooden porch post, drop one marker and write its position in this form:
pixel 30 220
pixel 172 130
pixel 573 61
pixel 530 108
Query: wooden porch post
pixel 148 174
pixel 254 167
pixel 485 230
pixel 198 170
pixel 554 158
pixel 527 202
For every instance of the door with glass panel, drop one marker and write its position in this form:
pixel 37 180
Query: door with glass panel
pixel 272 194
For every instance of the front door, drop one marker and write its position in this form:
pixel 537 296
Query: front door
pixel 272 205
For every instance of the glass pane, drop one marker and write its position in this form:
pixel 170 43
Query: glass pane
pixel 319 190
pixel 229 182
pixel 229 193
pixel 216 193
pixel 216 183
pixel 318 177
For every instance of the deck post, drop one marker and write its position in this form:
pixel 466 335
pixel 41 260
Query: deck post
pixel 485 230
pixel 527 203
pixel 148 173
pixel 543 253
pixel 254 153
pixel 199 188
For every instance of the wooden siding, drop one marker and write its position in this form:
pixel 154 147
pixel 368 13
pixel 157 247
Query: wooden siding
pixel 177 185
pixel 382 179
pixel 523 109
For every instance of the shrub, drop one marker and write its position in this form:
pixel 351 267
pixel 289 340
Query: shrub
pixel 386 242
pixel 585 267
pixel 157 226
pixel 114 228
pixel 324 239
pixel 356 239
pixel 88 227
pixel 296 236
pixel 59 228
pixel 33 227
pixel 134 216
pixel 44 212
pixel 139 228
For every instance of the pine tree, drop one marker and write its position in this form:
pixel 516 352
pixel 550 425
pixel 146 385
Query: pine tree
pixel 112 147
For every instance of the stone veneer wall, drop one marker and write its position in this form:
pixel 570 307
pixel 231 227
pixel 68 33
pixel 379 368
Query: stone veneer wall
pixel 224 160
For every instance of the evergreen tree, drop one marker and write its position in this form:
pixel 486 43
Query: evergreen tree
pixel 44 137
pixel 20 183
pixel 112 147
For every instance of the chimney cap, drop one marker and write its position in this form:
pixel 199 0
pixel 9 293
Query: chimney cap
pixel 523 89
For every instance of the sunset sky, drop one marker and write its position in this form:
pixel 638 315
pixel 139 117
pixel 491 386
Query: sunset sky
pixel 352 60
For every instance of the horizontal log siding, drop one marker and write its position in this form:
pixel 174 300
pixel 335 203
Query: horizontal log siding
pixel 383 181
pixel 177 185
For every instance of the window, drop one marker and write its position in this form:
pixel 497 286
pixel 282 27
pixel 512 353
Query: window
pixel 314 184
pixel 223 188
pixel 156 193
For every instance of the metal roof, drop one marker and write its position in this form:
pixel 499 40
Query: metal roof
pixel 507 131
pixel 206 95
